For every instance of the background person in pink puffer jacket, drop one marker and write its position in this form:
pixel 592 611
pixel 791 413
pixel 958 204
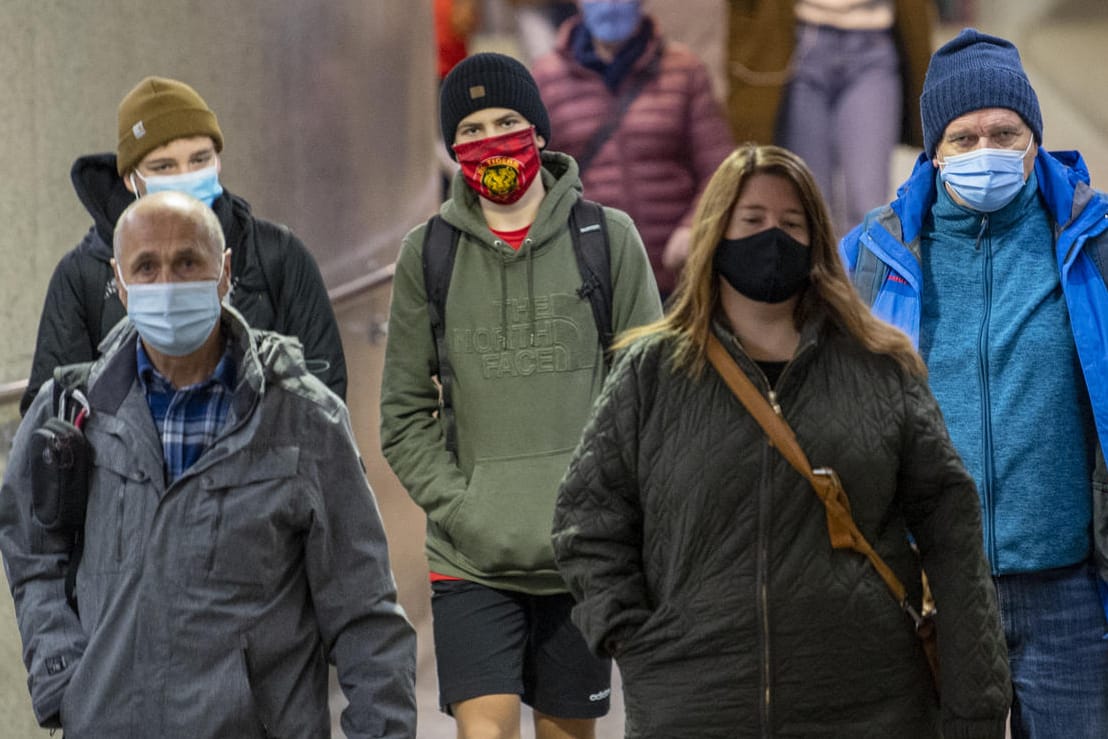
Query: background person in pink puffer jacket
pixel 637 113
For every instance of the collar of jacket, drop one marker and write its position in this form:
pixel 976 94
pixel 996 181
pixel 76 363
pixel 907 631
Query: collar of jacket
pixel 1063 183
pixel 632 57
pixel 811 334
pixel 114 373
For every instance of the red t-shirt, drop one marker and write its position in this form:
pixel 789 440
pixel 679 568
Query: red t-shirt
pixel 514 238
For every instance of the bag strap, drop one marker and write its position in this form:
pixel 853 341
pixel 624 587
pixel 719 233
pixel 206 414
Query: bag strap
pixel 634 87
pixel 841 528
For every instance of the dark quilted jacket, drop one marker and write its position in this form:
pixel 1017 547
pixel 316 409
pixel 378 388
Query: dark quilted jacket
pixel 701 562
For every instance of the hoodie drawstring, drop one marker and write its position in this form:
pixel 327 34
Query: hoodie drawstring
pixel 530 287
pixel 503 300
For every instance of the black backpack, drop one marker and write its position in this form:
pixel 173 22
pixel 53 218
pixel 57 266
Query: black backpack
pixel 589 233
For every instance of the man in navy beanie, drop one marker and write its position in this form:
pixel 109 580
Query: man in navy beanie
pixel 481 410
pixel 994 259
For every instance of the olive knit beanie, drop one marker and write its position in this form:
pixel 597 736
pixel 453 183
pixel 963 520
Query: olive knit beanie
pixel 974 71
pixel 489 80
pixel 157 111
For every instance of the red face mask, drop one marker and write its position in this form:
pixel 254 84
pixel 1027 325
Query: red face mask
pixel 500 168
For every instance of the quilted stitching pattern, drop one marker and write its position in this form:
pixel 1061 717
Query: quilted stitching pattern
pixel 673 501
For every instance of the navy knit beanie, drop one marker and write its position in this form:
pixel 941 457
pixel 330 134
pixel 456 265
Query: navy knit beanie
pixel 489 81
pixel 971 72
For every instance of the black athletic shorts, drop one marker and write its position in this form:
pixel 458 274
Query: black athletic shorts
pixel 491 642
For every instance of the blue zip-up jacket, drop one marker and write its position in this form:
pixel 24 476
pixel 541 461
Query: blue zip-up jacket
pixel 882 256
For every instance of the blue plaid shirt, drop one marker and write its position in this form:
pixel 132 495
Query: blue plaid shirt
pixel 189 418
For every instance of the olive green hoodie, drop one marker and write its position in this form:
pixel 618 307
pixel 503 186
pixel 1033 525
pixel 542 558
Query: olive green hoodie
pixel 527 366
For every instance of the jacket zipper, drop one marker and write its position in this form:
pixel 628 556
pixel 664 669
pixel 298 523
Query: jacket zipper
pixel 763 589
pixel 986 402
pixel 764 498
pixel 119 529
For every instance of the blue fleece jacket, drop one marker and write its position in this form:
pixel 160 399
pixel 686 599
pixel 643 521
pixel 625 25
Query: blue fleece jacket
pixel 883 257
pixel 996 337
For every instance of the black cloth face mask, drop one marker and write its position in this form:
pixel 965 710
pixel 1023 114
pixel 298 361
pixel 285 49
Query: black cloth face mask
pixel 769 266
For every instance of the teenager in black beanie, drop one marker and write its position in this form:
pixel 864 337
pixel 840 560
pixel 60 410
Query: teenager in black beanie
pixel 523 363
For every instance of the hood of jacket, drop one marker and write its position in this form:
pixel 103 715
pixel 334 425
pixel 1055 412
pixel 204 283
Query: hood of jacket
pixel 101 190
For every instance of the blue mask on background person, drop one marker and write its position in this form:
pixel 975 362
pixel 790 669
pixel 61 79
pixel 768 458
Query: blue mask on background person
pixel 203 184
pixel 613 21
pixel 175 318
pixel 986 179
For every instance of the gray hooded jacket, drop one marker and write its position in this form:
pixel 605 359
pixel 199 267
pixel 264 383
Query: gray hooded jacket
pixel 210 607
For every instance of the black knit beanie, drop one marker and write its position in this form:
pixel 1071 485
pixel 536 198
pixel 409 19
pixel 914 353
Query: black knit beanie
pixel 971 72
pixel 489 81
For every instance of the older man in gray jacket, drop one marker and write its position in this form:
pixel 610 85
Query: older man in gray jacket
pixel 232 544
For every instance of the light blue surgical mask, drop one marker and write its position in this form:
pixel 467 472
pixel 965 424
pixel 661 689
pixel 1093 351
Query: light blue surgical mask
pixel 612 21
pixel 203 184
pixel 175 318
pixel 986 179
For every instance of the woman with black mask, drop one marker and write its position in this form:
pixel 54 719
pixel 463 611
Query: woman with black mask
pixel 741 592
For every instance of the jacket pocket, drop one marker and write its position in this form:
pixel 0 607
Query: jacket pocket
pixel 245 518
pixel 502 525
pixel 1100 527
pixel 114 521
pixel 665 626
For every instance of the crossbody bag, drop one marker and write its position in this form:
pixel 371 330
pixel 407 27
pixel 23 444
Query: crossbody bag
pixel 841 528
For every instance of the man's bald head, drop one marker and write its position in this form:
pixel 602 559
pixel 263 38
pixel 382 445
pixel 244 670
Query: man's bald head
pixel 168 216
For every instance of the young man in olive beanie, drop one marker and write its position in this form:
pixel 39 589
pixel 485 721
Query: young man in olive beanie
pixel 525 363
pixel 991 258
pixel 169 139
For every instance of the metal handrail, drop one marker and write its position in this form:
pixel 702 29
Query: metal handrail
pixel 12 391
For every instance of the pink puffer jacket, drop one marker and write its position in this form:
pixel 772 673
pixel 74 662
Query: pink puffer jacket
pixel 667 146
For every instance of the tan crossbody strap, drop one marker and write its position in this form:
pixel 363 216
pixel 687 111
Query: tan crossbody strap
pixel 841 529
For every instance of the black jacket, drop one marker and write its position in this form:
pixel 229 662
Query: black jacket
pixel 276 284
pixel 700 558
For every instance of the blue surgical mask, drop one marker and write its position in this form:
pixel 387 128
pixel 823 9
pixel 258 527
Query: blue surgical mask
pixel 175 318
pixel 203 184
pixel 986 179
pixel 612 21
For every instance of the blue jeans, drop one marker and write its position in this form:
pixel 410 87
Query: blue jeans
pixel 1058 652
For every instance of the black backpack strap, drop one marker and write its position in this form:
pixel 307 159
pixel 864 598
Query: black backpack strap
pixel 589 231
pixel 440 246
pixel 272 260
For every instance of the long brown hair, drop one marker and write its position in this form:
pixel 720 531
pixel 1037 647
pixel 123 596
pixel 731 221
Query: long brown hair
pixel 696 299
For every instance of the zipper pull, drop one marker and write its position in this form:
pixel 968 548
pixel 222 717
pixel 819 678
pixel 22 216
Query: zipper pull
pixel 981 232
pixel 773 404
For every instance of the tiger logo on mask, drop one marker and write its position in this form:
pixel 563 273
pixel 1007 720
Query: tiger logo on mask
pixel 501 176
